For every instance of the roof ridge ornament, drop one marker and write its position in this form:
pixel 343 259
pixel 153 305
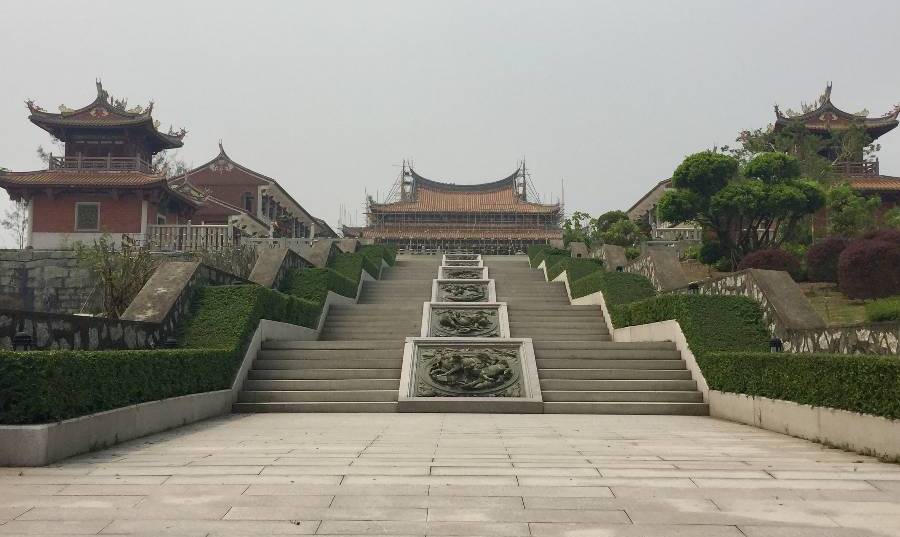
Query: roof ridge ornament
pixel 102 94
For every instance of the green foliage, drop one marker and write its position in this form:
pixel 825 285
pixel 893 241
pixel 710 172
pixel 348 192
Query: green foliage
pixel 849 213
pixel 769 195
pixel 575 268
pixel 48 386
pixel 883 310
pixel 891 218
pixel 310 284
pixel 617 287
pixel 545 251
pixel 379 252
pixel 225 316
pixel 632 253
pixel 710 252
pixel 866 384
pixel 555 262
pixel 43 386
pixel 122 270
pixel 577 228
pixel 709 322
pixel 534 251
pixel 822 259
pixel 621 233
pixel 348 265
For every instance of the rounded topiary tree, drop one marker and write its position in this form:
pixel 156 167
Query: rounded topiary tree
pixel 869 268
pixel 773 259
pixel 710 252
pixel 822 259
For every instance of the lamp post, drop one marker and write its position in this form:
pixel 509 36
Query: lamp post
pixel 776 345
pixel 22 341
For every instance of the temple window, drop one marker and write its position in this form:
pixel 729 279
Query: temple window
pixel 87 216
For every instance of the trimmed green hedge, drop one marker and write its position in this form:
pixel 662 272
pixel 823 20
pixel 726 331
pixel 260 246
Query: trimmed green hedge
pixel 617 287
pixel 377 252
pixel 866 384
pixel 883 310
pixel 536 255
pixel 710 323
pixel 48 386
pixel 575 268
pixel 347 265
pixel 45 386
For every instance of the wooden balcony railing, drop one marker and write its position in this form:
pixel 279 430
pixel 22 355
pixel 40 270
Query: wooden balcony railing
pixel 189 238
pixel 858 168
pixel 100 163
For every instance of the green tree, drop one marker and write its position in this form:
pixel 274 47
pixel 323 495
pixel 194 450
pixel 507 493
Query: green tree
pixel 891 219
pixel 621 233
pixel 849 213
pixel 577 228
pixel 754 208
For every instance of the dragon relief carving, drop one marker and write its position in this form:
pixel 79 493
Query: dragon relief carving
pixel 468 372
pixel 465 323
pixel 463 274
pixel 463 292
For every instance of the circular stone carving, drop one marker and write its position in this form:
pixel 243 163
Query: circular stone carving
pixel 472 372
pixel 463 274
pixel 465 323
pixel 463 292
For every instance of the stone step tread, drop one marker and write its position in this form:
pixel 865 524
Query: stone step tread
pixel 351 384
pixel 330 354
pixel 608 354
pixel 323 374
pixel 337 363
pixel 663 408
pixel 615 374
pixel 287 396
pixel 336 406
pixel 681 396
pixel 323 345
pixel 606 345
pixel 578 385
pixel 616 363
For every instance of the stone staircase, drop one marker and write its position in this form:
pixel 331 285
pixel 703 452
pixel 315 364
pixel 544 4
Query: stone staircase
pixel 355 365
pixel 580 368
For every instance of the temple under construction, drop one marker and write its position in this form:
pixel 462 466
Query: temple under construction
pixel 497 217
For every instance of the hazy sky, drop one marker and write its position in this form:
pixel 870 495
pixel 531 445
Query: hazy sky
pixel 329 97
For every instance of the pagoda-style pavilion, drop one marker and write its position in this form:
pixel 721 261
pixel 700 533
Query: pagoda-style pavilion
pixel 492 218
pixel 104 183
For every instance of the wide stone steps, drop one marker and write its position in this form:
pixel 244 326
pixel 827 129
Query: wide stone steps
pixel 656 396
pixel 616 374
pixel 332 363
pixel 324 374
pixel 318 406
pixel 305 396
pixel 618 363
pixel 643 407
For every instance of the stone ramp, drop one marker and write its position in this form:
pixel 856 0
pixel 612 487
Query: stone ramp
pixel 355 365
pixel 581 369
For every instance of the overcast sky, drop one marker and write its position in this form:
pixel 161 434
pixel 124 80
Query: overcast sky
pixel 329 97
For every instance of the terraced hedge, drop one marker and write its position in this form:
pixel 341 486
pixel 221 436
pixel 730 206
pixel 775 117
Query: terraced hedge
pixel 866 384
pixel 46 386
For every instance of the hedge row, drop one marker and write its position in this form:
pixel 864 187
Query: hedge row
pixel 575 268
pixel 378 252
pixel 710 323
pixel 866 384
pixel 617 287
pixel 46 386
pixel 883 310
pixel 536 254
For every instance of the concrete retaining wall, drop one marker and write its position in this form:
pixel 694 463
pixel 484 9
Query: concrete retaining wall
pixel 50 281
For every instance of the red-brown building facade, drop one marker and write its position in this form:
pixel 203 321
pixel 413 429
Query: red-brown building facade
pixel 104 183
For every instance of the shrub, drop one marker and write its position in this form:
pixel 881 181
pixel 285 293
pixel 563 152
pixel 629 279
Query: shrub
pixel 310 284
pixel 121 269
pixel 772 260
pixel 709 322
pixel 533 252
pixel 869 269
pixel 379 252
pixel 822 259
pixel 710 252
pixel 617 287
pixel 348 265
pixel 632 253
pixel 556 263
pixel 575 268
pixel 887 235
pixel 43 386
pixel 546 251
pixel 866 384
pixel 47 386
pixel 882 310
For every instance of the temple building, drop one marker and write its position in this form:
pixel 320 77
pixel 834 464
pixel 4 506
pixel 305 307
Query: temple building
pixel 824 119
pixel 492 218
pixel 104 183
pixel 258 204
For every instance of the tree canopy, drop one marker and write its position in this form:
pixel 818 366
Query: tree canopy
pixel 752 207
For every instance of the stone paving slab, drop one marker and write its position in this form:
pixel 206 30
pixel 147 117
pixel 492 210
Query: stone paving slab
pixel 458 475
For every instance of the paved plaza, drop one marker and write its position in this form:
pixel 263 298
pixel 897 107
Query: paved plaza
pixel 460 475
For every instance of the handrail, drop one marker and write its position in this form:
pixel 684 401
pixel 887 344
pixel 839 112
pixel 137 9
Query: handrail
pixel 108 163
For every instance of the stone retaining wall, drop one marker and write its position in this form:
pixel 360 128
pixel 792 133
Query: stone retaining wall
pixel 45 280
pixel 60 331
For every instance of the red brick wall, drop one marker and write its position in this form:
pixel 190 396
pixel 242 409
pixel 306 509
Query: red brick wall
pixel 57 215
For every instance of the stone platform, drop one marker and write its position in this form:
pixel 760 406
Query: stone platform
pixel 459 475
